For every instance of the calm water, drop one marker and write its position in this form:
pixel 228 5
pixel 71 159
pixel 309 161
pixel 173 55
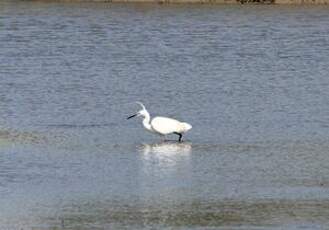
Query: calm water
pixel 252 80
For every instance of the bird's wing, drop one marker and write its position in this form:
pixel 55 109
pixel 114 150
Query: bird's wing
pixel 165 125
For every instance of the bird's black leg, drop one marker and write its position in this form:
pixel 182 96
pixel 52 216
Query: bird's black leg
pixel 180 136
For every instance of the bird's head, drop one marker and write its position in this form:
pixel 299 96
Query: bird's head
pixel 143 112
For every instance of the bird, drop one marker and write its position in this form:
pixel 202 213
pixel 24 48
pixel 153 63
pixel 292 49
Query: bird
pixel 162 125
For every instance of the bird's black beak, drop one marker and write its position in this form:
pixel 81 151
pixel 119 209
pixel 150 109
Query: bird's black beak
pixel 132 116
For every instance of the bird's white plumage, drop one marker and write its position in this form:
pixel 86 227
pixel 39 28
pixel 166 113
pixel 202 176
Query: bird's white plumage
pixel 162 125
pixel 165 125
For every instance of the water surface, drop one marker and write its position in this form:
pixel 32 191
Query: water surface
pixel 252 80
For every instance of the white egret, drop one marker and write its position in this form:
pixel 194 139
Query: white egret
pixel 162 125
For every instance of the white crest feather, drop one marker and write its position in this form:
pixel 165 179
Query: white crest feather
pixel 141 104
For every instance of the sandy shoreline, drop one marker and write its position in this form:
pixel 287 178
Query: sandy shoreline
pixel 279 2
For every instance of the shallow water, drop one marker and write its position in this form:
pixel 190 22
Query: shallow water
pixel 252 80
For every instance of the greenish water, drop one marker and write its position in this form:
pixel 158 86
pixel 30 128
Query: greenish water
pixel 253 82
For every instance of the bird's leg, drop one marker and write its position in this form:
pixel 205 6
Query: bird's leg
pixel 180 136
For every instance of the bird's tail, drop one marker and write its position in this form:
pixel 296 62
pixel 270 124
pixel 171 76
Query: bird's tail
pixel 187 126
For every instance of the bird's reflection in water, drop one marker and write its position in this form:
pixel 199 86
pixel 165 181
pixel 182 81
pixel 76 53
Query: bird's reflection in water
pixel 168 152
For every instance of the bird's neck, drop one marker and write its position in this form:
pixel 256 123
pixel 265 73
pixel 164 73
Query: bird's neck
pixel 146 122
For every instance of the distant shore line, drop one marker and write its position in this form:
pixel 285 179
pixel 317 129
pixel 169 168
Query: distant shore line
pixel 277 2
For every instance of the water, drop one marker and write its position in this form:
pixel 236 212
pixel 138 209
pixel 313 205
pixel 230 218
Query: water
pixel 252 80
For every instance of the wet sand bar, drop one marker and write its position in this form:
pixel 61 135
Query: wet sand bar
pixel 281 2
